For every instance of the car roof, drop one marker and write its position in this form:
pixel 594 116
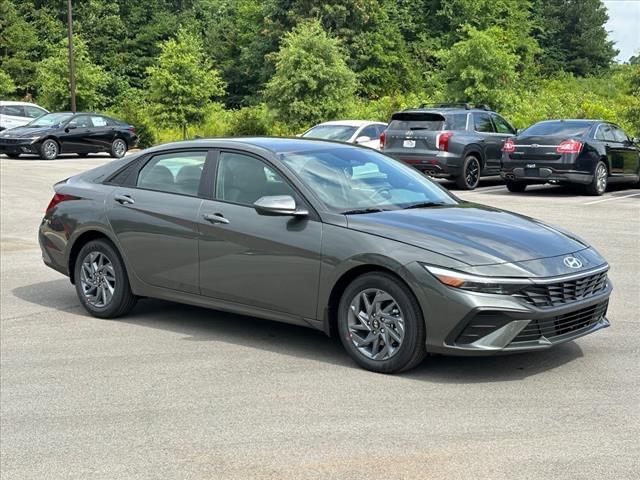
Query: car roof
pixel 445 110
pixel 351 123
pixel 275 145
pixel 575 120
pixel 11 102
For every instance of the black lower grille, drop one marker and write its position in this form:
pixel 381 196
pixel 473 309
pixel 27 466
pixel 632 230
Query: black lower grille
pixel 10 141
pixel 562 324
pixel 560 293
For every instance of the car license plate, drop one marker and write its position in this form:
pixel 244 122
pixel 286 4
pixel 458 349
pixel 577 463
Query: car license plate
pixel 409 144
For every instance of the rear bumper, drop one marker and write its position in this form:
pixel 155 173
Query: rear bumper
pixel 544 174
pixel 434 163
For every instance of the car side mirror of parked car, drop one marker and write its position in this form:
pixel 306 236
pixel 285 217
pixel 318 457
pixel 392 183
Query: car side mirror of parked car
pixel 279 205
pixel 635 140
pixel 363 139
pixel 70 126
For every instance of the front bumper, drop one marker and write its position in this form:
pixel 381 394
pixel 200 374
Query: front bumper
pixel 460 322
pixel 18 146
pixel 544 174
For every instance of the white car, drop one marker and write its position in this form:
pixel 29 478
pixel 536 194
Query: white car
pixel 17 114
pixel 361 132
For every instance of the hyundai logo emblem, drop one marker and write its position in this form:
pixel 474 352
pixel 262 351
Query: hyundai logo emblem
pixel 572 262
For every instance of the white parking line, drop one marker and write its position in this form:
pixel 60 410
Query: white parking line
pixel 487 189
pixel 612 198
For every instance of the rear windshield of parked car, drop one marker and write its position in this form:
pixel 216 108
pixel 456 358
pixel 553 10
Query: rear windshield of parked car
pixel 428 121
pixel 340 133
pixel 559 129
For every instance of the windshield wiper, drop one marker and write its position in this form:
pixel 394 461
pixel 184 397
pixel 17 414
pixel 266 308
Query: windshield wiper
pixel 424 205
pixel 358 211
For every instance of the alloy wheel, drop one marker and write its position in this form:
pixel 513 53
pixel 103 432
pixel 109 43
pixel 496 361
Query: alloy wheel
pixel 376 324
pixel 472 172
pixel 97 279
pixel 50 149
pixel 601 178
pixel 119 148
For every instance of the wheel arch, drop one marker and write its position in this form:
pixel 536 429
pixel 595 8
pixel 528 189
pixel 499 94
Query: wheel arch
pixel 330 317
pixel 79 242
pixel 475 151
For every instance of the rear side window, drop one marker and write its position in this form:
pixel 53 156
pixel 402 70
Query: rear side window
pixel 559 129
pixel 99 121
pixel 502 126
pixel 482 123
pixel 13 110
pixel 456 121
pixel 371 131
pixel 177 172
pixel 417 121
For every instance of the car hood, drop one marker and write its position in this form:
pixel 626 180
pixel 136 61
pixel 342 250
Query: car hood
pixel 25 132
pixel 470 233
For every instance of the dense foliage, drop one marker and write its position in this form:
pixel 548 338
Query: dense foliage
pixel 225 67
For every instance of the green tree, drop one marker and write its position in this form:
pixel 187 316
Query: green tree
pixel 312 82
pixel 182 82
pixel 573 36
pixel 53 79
pixel 7 87
pixel 479 68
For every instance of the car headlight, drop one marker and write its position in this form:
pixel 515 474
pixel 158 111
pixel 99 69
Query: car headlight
pixel 476 283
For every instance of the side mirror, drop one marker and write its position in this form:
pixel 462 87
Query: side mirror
pixel 635 140
pixel 279 205
pixel 70 126
pixel 363 139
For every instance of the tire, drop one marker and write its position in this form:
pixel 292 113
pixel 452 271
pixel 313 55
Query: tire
pixel 516 187
pixel 89 288
pixel 599 182
pixel 400 304
pixel 13 155
pixel 471 170
pixel 118 148
pixel 49 149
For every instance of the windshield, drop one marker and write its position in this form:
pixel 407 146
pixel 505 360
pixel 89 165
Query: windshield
pixel 557 129
pixel 50 120
pixel 349 179
pixel 341 133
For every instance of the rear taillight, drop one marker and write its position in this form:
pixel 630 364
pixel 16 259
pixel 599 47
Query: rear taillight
pixel 59 198
pixel 442 141
pixel 509 146
pixel 382 137
pixel 132 130
pixel 569 146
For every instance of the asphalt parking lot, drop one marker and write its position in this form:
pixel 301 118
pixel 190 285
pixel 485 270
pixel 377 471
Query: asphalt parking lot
pixel 173 391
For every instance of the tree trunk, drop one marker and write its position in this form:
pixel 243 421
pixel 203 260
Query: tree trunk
pixel 184 131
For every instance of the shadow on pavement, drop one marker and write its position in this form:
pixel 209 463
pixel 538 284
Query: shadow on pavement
pixel 204 325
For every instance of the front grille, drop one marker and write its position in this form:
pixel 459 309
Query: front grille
pixel 562 324
pixel 554 294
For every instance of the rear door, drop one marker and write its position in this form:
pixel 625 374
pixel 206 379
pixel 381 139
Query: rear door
pixel 102 134
pixel 483 126
pixel 629 152
pixel 615 149
pixel 154 215
pixel 267 262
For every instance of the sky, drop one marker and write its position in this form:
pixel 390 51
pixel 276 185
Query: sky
pixel 624 26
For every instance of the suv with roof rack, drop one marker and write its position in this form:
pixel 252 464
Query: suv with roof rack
pixel 457 141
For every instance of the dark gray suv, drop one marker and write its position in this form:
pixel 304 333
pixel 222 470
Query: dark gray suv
pixel 458 142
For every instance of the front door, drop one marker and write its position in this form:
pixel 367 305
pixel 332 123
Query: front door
pixel 268 262
pixel 76 136
pixel 155 220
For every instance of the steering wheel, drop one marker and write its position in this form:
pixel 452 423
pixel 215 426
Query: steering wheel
pixel 380 190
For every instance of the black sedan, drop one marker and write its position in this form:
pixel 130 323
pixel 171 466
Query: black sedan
pixel 66 132
pixel 588 152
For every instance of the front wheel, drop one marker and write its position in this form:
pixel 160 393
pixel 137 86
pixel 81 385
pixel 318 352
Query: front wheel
pixel 599 181
pixel 101 281
pixel 118 148
pixel 516 187
pixel 470 177
pixel 49 149
pixel 380 324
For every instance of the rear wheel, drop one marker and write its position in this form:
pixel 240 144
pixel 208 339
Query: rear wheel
pixel 49 149
pixel 599 181
pixel 101 280
pixel 118 148
pixel 470 177
pixel 516 187
pixel 380 324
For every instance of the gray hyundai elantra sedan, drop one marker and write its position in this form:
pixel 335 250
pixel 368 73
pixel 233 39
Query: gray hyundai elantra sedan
pixel 335 237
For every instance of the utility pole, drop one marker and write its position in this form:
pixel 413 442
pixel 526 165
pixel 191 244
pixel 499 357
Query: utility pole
pixel 72 66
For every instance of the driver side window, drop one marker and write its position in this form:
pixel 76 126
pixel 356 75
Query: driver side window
pixel 244 179
pixel 81 121
pixel 371 131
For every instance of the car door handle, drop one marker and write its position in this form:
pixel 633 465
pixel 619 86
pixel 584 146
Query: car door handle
pixel 215 218
pixel 124 199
